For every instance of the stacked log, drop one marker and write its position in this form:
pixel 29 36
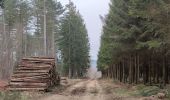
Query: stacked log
pixel 34 73
pixel 63 80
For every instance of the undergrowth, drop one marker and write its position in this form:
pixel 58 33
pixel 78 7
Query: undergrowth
pixel 138 90
pixel 143 90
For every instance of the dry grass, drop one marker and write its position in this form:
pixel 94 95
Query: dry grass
pixel 78 91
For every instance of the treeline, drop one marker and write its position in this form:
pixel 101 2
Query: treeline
pixel 42 28
pixel 73 43
pixel 135 44
pixel 22 31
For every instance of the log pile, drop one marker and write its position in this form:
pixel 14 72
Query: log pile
pixel 63 80
pixel 35 74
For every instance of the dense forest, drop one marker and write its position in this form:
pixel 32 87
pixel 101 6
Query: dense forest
pixel 135 43
pixel 42 28
pixel 73 43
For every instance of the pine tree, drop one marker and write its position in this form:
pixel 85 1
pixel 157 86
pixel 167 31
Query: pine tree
pixel 136 34
pixel 22 29
pixel 74 44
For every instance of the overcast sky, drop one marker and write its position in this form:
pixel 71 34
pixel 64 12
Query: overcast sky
pixel 90 10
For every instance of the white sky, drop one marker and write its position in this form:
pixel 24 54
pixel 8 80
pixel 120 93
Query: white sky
pixel 90 10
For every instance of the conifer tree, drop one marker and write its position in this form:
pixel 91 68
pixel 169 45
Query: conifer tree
pixel 73 43
pixel 134 41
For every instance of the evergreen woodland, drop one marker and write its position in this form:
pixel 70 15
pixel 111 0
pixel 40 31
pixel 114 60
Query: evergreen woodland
pixel 73 43
pixel 135 44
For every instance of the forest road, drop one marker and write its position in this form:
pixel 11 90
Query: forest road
pixel 85 90
pixel 89 90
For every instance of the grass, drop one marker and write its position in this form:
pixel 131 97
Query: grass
pixel 12 96
pixel 138 91
pixel 168 91
pixel 142 90
pixel 121 91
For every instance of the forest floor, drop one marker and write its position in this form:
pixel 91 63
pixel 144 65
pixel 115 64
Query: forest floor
pixel 87 89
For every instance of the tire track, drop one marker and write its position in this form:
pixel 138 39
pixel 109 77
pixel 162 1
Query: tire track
pixel 77 89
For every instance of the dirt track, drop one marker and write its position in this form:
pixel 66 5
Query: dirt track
pixel 86 90
pixel 92 90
